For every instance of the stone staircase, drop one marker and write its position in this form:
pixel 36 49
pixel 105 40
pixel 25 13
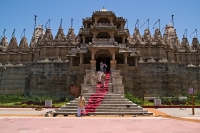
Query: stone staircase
pixel 113 103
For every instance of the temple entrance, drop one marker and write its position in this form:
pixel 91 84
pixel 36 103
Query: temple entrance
pixel 104 60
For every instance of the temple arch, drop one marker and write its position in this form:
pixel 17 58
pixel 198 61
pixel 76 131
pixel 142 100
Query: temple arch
pixel 104 56
pixel 103 20
pixel 103 35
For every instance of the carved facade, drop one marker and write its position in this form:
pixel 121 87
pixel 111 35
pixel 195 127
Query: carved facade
pixel 150 64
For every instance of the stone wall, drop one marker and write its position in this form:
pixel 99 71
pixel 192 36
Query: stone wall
pixel 160 79
pixel 12 80
pixel 41 79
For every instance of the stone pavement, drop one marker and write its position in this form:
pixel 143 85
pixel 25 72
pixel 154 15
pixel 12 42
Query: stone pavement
pixel 26 120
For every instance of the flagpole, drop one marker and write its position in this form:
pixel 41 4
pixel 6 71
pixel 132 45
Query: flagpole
pixel 35 22
pixel 61 23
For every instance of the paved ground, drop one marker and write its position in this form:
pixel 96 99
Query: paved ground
pixel 173 120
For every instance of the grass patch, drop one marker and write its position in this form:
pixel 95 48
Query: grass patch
pixel 31 100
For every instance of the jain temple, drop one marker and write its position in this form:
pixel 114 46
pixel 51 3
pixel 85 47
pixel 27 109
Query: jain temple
pixel 143 63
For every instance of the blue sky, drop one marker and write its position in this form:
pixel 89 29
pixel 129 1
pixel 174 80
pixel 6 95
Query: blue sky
pixel 19 14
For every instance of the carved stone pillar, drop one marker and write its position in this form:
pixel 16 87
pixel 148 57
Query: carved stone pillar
pixel 125 58
pixel 81 58
pixel 93 64
pixel 83 39
pixel 136 61
pixel 71 60
pixel 123 41
pixel 113 64
pixel 113 56
pixel 93 55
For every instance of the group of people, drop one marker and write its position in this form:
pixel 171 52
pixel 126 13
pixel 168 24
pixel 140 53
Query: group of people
pixel 101 79
pixel 102 74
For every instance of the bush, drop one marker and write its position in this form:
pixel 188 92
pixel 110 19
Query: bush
pixel 133 98
pixel 29 99
pixel 24 105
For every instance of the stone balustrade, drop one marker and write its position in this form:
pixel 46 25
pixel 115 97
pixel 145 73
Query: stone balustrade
pixel 103 25
pixel 102 40
pixel 122 31
pixel 84 31
pixel 122 45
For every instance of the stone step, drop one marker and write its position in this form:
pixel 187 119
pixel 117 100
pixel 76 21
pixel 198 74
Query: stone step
pixel 101 110
pixel 117 109
pixel 130 105
pixel 118 106
pixel 108 94
pixel 122 113
pixel 106 100
pixel 116 102
pixel 107 113
pixel 106 97
pixel 105 107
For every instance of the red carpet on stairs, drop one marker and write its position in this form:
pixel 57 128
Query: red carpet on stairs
pixel 96 99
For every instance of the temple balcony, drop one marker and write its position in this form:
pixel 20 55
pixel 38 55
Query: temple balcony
pixel 122 32
pixel 84 31
pixel 102 40
pixel 103 26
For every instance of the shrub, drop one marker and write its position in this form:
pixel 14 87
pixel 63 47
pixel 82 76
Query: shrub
pixel 24 105
pixel 133 98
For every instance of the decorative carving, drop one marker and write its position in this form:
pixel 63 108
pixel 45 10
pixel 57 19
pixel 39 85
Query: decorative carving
pixel 195 44
pixel 23 46
pixel 157 38
pixel 37 33
pixel 48 38
pixel 13 46
pixel 147 37
pixel 141 60
pixel 60 38
pixel 170 36
pixel 71 38
pixel 151 60
pixel 185 45
pixel 3 44
pixel 135 39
